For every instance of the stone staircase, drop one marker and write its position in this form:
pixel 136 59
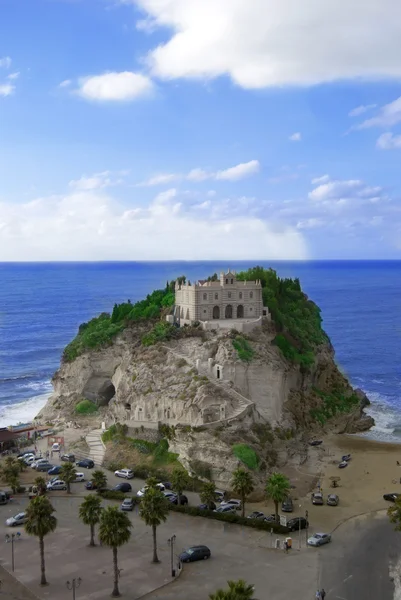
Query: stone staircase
pixel 96 446
pixel 243 403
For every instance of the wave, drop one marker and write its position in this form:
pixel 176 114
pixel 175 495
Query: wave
pixel 387 416
pixel 35 386
pixel 22 412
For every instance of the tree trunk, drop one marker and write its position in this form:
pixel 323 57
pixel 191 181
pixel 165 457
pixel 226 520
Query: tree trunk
pixel 68 487
pixel 155 557
pixel 243 505
pixel 276 509
pixel 42 562
pixel 92 541
pixel 116 592
pixel 178 498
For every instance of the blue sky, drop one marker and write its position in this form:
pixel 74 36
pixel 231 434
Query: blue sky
pixel 167 129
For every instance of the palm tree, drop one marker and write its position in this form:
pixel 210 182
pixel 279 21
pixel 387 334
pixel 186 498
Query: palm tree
pixel 154 511
pixel 242 485
pixel 89 513
pixel 99 480
pixel 237 590
pixel 68 474
pixel 114 531
pixel 277 488
pixel 40 522
pixel 179 481
pixel 10 472
pixel 208 494
pixel 40 483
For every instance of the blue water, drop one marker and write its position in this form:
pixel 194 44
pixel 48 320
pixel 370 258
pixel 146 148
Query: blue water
pixel 41 306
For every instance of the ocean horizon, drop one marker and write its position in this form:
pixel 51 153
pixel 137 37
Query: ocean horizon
pixel 42 305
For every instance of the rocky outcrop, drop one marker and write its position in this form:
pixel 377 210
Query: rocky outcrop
pixel 199 385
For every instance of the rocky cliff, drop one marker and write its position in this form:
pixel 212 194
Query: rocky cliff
pixel 211 398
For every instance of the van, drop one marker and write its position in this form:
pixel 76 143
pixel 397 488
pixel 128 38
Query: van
pixel 79 477
pixel 56 447
pixel 3 498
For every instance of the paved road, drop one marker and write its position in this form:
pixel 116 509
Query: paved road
pixel 358 562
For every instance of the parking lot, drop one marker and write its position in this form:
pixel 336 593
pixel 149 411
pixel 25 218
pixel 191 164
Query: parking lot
pixel 236 552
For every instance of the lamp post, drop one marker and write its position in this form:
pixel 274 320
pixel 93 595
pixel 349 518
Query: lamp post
pixel 307 525
pixel 74 585
pixel 11 538
pixel 299 530
pixel 171 542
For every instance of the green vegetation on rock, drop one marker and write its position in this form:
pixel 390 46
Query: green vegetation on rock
pixel 297 319
pixel 244 349
pixel 333 403
pixel 85 407
pixel 246 455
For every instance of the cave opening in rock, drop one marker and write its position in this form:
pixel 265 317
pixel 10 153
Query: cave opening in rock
pixel 106 392
pixel 128 406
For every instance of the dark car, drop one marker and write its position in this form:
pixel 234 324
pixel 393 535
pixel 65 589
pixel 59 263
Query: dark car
pixel 173 498
pixel 391 497
pixel 297 523
pixel 257 515
pixel 46 467
pixel 195 553
pixel 287 505
pixel 90 485
pixel 68 457
pixel 346 457
pixel 210 506
pixel 167 485
pixel 86 463
pixel 54 470
pixel 343 464
pixel 122 487
pixel 315 442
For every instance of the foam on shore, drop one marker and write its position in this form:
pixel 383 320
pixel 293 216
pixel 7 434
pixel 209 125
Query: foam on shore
pixel 22 412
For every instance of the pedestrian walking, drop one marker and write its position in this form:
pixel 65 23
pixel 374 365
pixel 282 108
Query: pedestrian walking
pixel 318 596
pixel 286 547
pixel 322 594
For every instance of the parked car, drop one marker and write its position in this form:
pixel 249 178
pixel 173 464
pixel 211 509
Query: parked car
pixel 90 485
pixel 44 467
pixel 28 460
pixel 79 477
pixel 141 492
pixel 124 473
pixel 26 453
pixel 317 498
pixel 318 539
pixel 297 523
pixel 207 507
pixel 220 495
pixel 228 508
pixel 56 447
pixel 343 464
pixel 3 498
pixel 54 470
pixel 37 461
pixel 53 479
pixel 256 515
pixel 195 553
pixel 67 457
pixel 346 457
pixel 270 518
pixel 315 442
pixel 233 502
pixel 122 487
pixel 168 485
pixel 17 520
pixel 86 463
pixel 56 485
pixel 287 505
pixel 333 500
pixel 127 504
pixel 173 498
pixel 391 497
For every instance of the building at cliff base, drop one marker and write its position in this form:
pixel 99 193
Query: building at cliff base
pixel 227 303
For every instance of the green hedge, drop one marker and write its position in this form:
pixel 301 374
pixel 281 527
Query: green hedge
pixel 85 407
pixel 246 455
pixel 229 518
pixel 244 349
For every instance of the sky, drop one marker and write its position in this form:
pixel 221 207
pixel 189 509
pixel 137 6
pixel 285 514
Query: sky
pixel 189 129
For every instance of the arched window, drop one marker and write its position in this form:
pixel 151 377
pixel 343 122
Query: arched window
pixel 216 312
pixel 229 311
pixel 205 296
pixel 240 295
pixel 240 311
pixel 232 280
pixel 216 296
pixel 251 294
pixel 226 280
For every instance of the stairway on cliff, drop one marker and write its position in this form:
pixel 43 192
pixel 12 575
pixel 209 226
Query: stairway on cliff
pixel 96 447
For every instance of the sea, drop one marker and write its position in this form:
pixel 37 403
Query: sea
pixel 42 305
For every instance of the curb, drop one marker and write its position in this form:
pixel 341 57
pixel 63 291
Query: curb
pixel 162 586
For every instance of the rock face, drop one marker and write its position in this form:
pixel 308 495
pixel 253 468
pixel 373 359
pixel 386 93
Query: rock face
pixel 199 382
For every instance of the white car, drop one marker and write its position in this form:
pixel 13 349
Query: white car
pixel 56 447
pixel 225 508
pixel 318 539
pixel 30 459
pixel 79 477
pixel 19 519
pixel 37 462
pixel 143 490
pixel 24 457
pixel 124 473
pixel 234 503
pixel 56 485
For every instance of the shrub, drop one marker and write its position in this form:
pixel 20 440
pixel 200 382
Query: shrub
pixel 229 518
pixel 114 495
pixel 85 407
pixel 338 401
pixel 244 349
pixel 246 455
pixel 162 331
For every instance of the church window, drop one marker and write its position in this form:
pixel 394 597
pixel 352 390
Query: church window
pixel 226 280
pixel 204 310
pixel 251 309
pixel 240 295
pixel 216 296
pixel 229 294
pixel 205 296
pixel 251 294
pixel 232 280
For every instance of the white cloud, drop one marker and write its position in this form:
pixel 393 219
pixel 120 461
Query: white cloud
pixel 231 174
pixel 311 223
pixel 5 62
pixel 248 41
pixel 6 89
pixel 120 87
pixel 341 193
pixel 388 141
pixel 295 137
pixel 103 229
pixel 96 181
pixel 360 110
pixel 319 180
pixel 239 171
pixel 65 83
pixel 389 115
pixel 13 76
